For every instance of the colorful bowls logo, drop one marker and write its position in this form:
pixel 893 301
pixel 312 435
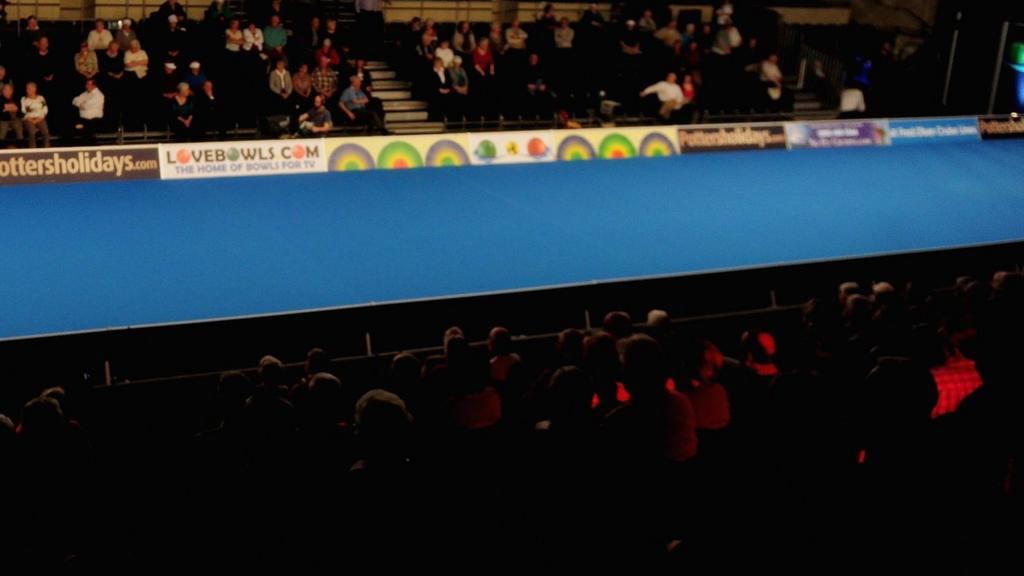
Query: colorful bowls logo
pixel 656 145
pixel 446 153
pixel 399 155
pixel 616 146
pixel 349 157
pixel 486 150
pixel 537 148
pixel 575 148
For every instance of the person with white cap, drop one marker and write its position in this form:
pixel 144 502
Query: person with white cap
pixel 173 40
pixel 171 8
pixel 126 35
pixel 629 41
pixel 195 77
pixel 169 80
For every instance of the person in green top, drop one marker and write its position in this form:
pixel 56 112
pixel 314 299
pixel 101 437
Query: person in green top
pixel 275 37
pixel 219 13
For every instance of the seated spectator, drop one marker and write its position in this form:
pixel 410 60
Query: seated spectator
pixel 218 14
pixel 564 35
pixel 592 18
pixel 281 80
pixel 503 360
pixel 445 53
pixel 440 89
pixel 957 377
pixel 234 39
pixel 125 36
pixel 99 37
pixel 547 18
pixel 497 38
pixel 483 59
pixel 317 120
pixel 464 41
pixel 136 61
pixel 43 65
pixel 629 40
pixel 195 77
pixel 308 39
pixel 515 37
pixel 86 64
pixel 355 105
pixel 771 77
pixel 327 50
pixel 275 38
pixel 10 114
pixel 460 87
pixel 209 112
pixel 658 425
pixel 34 109
pixel 90 112
pixel 174 39
pixel 169 80
pixel 365 75
pixel 538 98
pixel 32 32
pixel 709 398
pixel 384 428
pixel 171 8
pixel 723 14
pixel 252 38
pixel 726 40
pixel 183 124
pixel 669 34
pixel 5 77
pixel 759 349
pixel 647 25
pixel 302 88
pixel 112 70
pixel 325 79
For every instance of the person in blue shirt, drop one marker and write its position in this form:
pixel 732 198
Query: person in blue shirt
pixel 358 108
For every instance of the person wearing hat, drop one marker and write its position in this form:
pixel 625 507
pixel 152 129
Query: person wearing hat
pixel 174 39
pixel 125 35
pixel 171 8
pixel 195 77
pixel 169 80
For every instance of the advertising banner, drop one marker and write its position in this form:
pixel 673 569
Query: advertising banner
pixel 1001 127
pixel 933 130
pixel 250 158
pixel 838 134
pixel 79 164
pixel 725 138
pixel 511 147
pixel 397 152
pixel 615 143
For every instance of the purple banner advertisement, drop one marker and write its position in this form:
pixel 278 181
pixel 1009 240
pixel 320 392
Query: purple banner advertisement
pixel 839 134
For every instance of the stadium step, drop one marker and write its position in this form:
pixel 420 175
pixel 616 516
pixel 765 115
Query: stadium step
pixel 392 94
pixel 804 96
pixel 391 84
pixel 806 106
pixel 404 105
pixel 406 116
pixel 384 75
pixel 374 65
pixel 416 128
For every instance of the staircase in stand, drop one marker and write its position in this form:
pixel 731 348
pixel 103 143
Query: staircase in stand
pixel 402 113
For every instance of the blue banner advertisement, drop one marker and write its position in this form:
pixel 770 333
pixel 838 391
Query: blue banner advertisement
pixel 838 134
pixel 933 130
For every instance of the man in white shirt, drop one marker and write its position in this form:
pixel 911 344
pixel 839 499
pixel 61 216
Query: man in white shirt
pixel 90 112
pixel 669 94
pixel 99 38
